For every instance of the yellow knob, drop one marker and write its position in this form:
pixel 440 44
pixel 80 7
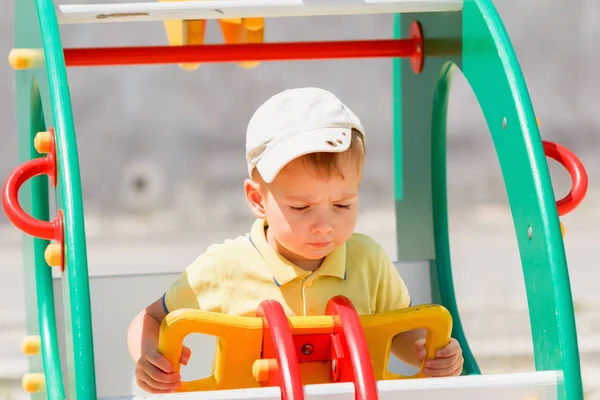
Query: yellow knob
pixel 33 382
pixel 25 58
pixel 31 345
pixel 53 255
pixel 563 230
pixel 43 142
pixel 263 368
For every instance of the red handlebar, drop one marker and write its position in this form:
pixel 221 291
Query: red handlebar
pixel 10 196
pixel 356 364
pixel 578 176
pixel 275 319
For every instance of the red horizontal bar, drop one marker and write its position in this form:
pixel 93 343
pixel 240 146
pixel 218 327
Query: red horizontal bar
pixel 87 57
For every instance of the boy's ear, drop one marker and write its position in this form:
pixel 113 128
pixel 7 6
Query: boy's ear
pixel 255 198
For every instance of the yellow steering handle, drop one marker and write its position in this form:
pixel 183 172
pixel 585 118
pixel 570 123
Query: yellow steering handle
pixel 381 328
pixel 240 342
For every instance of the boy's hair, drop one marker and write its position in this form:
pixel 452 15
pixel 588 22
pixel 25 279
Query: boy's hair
pixel 327 165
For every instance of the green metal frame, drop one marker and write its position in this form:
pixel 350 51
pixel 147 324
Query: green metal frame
pixel 474 41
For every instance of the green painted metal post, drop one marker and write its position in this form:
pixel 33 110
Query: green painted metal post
pixel 476 42
pixel 36 27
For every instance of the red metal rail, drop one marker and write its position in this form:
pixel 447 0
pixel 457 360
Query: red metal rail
pixel 215 53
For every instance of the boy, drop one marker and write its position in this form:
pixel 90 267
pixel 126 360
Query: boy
pixel 305 151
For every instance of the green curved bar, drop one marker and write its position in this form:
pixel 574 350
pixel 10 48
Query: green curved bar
pixel 43 274
pixel 491 67
pixel 82 383
pixel 443 263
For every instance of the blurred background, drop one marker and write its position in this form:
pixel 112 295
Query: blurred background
pixel 162 164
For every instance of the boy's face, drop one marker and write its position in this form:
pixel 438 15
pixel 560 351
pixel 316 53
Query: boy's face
pixel 308 215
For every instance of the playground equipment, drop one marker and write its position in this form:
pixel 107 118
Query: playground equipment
pixel 432 39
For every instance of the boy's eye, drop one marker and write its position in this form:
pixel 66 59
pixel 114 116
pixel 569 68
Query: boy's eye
pixel 299 208
pixel 343 206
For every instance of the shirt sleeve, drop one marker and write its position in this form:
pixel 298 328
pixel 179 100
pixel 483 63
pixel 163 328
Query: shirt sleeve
pixel 198 287
pixel 392 293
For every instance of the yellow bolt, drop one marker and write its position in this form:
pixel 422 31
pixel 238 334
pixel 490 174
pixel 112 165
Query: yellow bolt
pixel 33 382
pixel 43 142
pixel 563 230
pixel 53 255
pixel 25 58
pixel 31 345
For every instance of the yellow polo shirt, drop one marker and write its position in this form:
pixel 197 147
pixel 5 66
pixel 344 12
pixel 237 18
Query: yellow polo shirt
pixel 233 277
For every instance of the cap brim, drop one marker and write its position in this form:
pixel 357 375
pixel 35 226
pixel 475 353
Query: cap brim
pixel 330 140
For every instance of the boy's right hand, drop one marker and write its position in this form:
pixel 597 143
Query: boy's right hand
pixel 154 373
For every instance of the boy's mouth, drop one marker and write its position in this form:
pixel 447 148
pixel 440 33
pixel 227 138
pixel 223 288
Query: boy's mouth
pixel 319 245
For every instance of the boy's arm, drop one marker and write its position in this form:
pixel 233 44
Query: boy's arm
pixel 202 276
pixel 144 329
pixel 153 372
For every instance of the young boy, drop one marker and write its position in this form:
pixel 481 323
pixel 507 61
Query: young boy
pixel 305 151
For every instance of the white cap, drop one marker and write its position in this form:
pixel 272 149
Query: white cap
pixel 296 122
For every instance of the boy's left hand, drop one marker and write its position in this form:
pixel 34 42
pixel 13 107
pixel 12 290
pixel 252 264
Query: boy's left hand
pixel 448 362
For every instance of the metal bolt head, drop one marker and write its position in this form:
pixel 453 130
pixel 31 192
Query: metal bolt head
pixel 308 349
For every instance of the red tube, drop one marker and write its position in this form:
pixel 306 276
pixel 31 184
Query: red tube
pixel 275 320
pixel 578 176
pixel 88 57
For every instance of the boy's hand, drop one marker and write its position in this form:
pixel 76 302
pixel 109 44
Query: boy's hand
pixel 154 373
pixel 448 362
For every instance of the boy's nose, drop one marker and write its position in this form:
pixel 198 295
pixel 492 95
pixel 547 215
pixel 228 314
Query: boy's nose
pixel 322 225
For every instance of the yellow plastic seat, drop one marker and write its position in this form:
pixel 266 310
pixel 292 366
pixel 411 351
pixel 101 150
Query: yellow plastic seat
pixel 234 30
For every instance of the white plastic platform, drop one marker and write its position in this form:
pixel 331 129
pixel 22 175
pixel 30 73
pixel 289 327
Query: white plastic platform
pixel 521 386
pixel 215 9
